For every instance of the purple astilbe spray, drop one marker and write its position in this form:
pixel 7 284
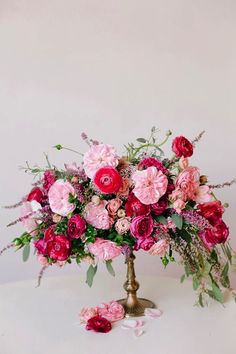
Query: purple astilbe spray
pixel 41 274
pixel 198 138
pixel 192 217
pixel 10 245
pixel 222 185
pixel 16 205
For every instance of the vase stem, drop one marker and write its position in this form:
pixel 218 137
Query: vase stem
pixel 133 306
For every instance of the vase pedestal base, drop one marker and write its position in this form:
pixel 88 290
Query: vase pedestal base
pixel 137 308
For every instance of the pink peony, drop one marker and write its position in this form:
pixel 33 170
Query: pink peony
pixel 86 313
pixel 122 226
pixel 29 214
pixel 112 311
pixel 113 205
pixel 104 249
pixel 160 248
pixel 150 185
pixel 186 184
pixel 99 156
pixel 141 226
pixel 58 196
pixel 97 215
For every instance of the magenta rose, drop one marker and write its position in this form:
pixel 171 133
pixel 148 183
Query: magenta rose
pixel 108 180
pixel 76 226
pixel 134 207
pixel 152 161
pixel 182 147
pixel 48 179
pixel 145 244
pixel 212 211
pixel 36 194
pixel 216 235
pixel 98 324
pixel 159 207
pixel 141 226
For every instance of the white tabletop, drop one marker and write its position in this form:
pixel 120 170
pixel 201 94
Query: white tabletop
pixel 43 320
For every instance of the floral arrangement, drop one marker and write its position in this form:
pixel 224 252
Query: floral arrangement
pixel 111 205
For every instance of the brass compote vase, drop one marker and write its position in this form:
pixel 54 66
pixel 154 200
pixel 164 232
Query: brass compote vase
pixel 134 306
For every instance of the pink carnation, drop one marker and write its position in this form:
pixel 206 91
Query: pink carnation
pixel 112 311
pixel 58 196
pixel 104 249
pixel 150 185
pixel 160 248
pixel 99 156
pixel 97 215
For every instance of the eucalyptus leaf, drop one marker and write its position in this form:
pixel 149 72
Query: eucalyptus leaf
pixel 196 283
pixel 26 252
pixel 161 219
pixel 216 292
pixel 182 278
pixel 110 268
pixel 177 220
pixel 201 300
pixel 90 275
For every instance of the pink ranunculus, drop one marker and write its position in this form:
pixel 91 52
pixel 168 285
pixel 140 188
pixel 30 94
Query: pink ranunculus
pixel 104 249
pixel 179 205
pixel 112 311
pixel 122 226
pixel 149 185
pixel 58 196
pixel 144 243
pixel 203 195
pixel 186 184
pixel 86 313
pixel 160 248
pixel 76 226
pixel 113 205
pixel 30 216
pixel 97 215
pixel 141 226
pixel 99 156
pixel 58 248
pixel 108 180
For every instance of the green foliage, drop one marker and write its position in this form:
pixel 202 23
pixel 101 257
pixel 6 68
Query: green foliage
pixel 58 147
pixel 91 233
pixel 110 268
pixel 90 275
pixel 161 219
pixel 177 220
pixel 26 252
pixel 61 226
pixel 224 276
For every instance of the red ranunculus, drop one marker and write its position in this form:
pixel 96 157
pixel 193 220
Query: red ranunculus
pixel 99 324
pixel 58 248
pixel 134 207
pixel 141 226
pixel 152 161
pixel 212 211
pixel 108 180
pixel 216 235
pixel 76 226
pixel 182 147
pixel 35 194
pixel 159 207
pixel 145 244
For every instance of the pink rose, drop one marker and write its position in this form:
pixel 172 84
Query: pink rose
pixel 134 207
pixel 86 313
pixel 98 324
pixel 58 196
pixel 186 184
pixel 203 194
pixel 159 207
pixel 122 226
pixel 149 185
pixel 144 243
pixel 36 194
pixel 99 156
pixel 76 226
pixel 160 248
pixel 97 215
pixel 112 311
pixel 104 249
pixel 124 189
pixel 113 205
pixel 141 226
pixel 30 216
pixel 179 205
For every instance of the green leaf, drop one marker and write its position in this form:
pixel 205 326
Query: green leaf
pixel 110 268
pixel 26 252
pixel 185 235
pixel 182 278
pixel 196 283
pixel 90 275
pixel 142 140
pixel 200 299
pixel 161 219
pixel 225 271
pixel 177 220
pixel 216 292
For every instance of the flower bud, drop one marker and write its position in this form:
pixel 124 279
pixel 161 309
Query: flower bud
pixel 96 200
pixel 203 179
pixel 121 213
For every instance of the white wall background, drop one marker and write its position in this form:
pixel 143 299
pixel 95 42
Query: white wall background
pixel 113 69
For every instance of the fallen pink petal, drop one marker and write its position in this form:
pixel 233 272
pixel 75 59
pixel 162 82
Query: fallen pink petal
pixel 132 324
pixel 153 313
pixel 138 332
